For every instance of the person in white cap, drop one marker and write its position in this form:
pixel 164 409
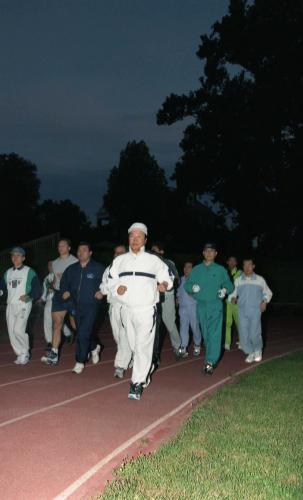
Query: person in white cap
pixel 21 286
pixel 121 360
pixel 135 279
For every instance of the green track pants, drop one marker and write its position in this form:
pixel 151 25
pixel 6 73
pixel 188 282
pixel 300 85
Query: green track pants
pixel 210 315
pixel 231 316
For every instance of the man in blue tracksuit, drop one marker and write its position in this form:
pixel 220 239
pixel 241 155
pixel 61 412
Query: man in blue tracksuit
pixel 80 283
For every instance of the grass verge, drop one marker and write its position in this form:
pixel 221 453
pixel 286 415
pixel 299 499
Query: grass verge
pixel 245 443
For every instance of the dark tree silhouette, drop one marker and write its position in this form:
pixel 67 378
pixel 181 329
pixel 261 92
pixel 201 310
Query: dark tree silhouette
pixel 64 217
pixel 245 143
pixel 137 191
pixel 19 196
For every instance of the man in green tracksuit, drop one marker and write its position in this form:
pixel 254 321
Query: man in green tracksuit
pixel 209 283
pixel 231 309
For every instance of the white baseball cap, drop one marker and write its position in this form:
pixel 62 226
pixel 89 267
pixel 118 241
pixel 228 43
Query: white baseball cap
pixel 139 226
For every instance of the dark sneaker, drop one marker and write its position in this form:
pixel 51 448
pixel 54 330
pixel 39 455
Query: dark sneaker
pixel 48 347
pixel 208 369
pixel 135 391
pixel 51 359
pixel 181 353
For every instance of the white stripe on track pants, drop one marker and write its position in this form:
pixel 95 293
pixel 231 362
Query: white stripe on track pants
pixel 140 326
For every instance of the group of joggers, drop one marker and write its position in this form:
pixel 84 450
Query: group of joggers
pixel 143 290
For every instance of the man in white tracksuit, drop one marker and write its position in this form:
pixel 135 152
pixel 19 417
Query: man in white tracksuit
pixel 121 360
pixel 135 279
pixel 47 298
pixel 21 285
pixel 252 295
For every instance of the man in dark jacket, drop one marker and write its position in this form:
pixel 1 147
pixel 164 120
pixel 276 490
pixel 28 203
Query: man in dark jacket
pixel 80 283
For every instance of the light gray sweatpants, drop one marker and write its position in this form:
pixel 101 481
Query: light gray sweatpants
pixel 169 319
pixel 250 330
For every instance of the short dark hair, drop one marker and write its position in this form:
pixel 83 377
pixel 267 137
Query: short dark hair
pixel 67 241
pixel 249 257
pixel 160 245
pixel 85 244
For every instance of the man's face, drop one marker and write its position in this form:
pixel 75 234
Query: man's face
pixel 248 267
pixel 119 250
pixel 136 240
pixel 84 253
pixel 188 267
pixel 17 259
pixel 63 248
pixel 209 254
pixel 232 263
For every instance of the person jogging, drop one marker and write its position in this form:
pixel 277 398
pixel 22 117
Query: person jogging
pixel 208 284
pixel 80 284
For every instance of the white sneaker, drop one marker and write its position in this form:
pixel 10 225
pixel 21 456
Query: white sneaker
pixel 250 358
pixel 119 372
pixel 226 347
pixel 197 350
pixel 22 360
pixel 78 368
pixel 96 355
pixel 258 356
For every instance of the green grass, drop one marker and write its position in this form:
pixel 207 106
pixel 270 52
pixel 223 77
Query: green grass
pixel 245 442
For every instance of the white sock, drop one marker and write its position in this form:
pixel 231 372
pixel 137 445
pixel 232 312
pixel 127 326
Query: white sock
pixel 55 350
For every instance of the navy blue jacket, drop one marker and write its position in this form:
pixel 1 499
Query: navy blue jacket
pixel 82 282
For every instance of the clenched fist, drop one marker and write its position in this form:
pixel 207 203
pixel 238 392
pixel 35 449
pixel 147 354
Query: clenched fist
pixel 121 290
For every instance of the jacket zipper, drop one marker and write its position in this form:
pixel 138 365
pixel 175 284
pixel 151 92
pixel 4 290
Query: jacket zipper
pixel 80 282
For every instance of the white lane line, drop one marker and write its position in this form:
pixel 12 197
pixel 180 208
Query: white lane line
pixel 98 466
pixel 39 359
pixel 86 394
pixel 13 382
pixel 35 377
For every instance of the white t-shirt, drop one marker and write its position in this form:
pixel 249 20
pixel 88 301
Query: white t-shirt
pixel 59 266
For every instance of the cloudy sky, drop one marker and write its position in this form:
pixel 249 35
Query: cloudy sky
pixel 80 78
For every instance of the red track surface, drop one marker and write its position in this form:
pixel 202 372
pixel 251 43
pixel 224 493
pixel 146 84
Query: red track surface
pixel 62 434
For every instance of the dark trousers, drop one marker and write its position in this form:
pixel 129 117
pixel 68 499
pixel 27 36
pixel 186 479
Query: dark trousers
pixel 85 317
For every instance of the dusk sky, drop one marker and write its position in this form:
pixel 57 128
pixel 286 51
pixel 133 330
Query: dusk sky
pixel 80 78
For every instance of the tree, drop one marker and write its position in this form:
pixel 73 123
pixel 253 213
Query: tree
pixel 64 217
pixel 245 142
pixel 136 191
pixel 19 196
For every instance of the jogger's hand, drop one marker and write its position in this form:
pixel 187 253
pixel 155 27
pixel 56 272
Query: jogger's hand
pixel 121 290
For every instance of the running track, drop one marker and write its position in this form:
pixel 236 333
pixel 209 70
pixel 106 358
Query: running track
pixel 62 434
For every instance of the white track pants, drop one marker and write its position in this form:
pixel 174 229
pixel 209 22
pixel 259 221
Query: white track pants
pixel 48 323
pixel 16 318
pixel 140 326
pixel 124 352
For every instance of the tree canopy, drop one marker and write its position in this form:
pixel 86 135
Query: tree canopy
pixel 19 197
pixel 245 143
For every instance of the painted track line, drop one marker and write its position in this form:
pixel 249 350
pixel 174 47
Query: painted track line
pixel 86 394
pixel 98 466
pixel 63 356
pixel 37 377
pixel 68 370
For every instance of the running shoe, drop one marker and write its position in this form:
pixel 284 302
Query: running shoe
pixel 96 355
pixel 197 350
pixel 250 358
pixel 78 368
pixel 51 359
pixel 258 356
pixel 135 391
pixel 208 369
pixel 119 372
